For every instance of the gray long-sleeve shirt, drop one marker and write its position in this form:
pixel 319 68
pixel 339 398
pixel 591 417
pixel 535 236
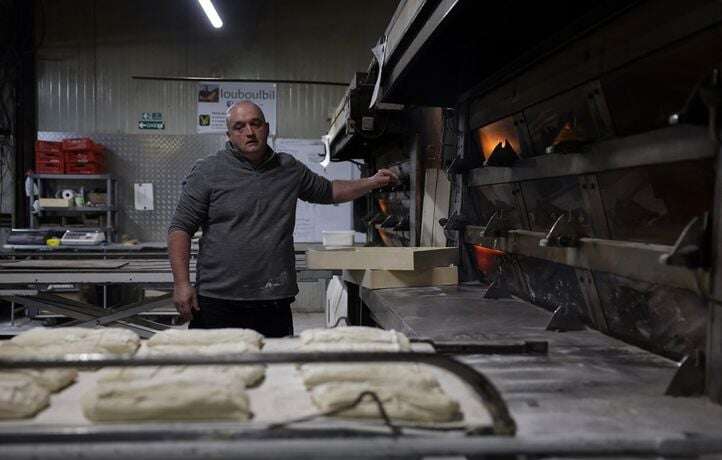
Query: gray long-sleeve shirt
pixel 247 215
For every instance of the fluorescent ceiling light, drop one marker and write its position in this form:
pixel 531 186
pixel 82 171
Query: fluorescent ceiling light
pixel 211 12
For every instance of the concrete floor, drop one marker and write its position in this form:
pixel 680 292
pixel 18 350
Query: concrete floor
pixel 303 321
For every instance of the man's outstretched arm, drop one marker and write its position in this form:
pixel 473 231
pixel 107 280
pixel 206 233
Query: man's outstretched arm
pixel 179 253
pixel 347 190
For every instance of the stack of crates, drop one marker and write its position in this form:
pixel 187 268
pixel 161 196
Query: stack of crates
pixel 83 156
pixel 49 157
pixel 71 156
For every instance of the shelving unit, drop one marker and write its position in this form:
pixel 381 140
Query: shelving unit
pixel 109 209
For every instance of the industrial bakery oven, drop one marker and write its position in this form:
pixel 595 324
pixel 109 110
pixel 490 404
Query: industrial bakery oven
pixel 597 175
pixel 582 143
pixel 584 165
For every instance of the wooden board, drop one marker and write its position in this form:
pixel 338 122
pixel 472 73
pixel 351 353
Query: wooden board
pixel 437 190
pixel 382 279
pixel 63 264
pixel 441 209
pixel 380 258
pixel 427 208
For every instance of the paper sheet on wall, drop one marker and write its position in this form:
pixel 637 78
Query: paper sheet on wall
pixel 143 196
pixel 312 219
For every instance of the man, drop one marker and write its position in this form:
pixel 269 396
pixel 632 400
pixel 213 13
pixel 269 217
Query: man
pixel 244 199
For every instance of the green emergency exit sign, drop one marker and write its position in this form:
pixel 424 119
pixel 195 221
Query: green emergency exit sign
pixel 151 120
pixel 151 124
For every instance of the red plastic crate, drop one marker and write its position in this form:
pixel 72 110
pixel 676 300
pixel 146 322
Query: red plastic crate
pixel 81 143
pixel 84 167
pixel 49 166
pixel 84 156
pixel 48 147
pixel 47 155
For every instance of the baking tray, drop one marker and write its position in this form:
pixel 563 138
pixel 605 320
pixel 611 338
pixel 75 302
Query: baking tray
pixel 280 398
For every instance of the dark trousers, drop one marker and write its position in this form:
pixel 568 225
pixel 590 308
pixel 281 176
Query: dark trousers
pixel 272 318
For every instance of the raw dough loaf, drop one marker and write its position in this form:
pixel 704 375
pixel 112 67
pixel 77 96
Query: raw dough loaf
pixel 207 337
pixel 409 404
pixel 251 375
pixel 21 396
pixel 12 350
pixel 248 375
pixel 52 380
pixel 208 350
pixel 351 346
pixel 68 340
pixel 406 375
pixel 166 398
pixel 356 334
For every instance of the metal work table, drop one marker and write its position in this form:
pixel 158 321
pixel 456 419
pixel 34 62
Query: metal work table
pixel 145 265
pixel 150 249
pixel 589 384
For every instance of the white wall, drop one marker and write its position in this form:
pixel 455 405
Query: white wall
pixel 92 48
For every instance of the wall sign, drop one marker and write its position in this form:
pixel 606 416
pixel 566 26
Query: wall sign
pixel 215 97
pixel 151 120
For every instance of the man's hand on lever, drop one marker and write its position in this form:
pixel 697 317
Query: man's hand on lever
pixel 347 190
pixel 384 178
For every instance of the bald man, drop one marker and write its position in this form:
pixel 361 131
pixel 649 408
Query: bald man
pixel 244 198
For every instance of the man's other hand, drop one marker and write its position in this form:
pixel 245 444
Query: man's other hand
pixel 384 177
pixel 186 301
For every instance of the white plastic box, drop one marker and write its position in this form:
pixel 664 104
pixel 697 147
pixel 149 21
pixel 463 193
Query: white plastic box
pixel 337 238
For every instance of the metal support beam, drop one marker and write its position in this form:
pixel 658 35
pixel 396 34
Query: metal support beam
pixel 594 206
pixel 667 145
pixel 521 279
pixel 714 326
pixel 712 97
pixel 228 443
pixel 520 204
pixel 459 181
pixel 22 33
pixel 530 347
pixel 713 366
pixel 638 261
pixel 90 315
pixel 127 311
pixel 399 67
pixel 41 304
pixel 595 312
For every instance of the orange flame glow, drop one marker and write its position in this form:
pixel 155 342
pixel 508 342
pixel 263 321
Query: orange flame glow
pixel 486 258
pixel 501 131
pixel 384 206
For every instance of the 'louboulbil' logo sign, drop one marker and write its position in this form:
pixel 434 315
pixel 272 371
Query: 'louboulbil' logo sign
pixel 261 95
pixel 214 98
